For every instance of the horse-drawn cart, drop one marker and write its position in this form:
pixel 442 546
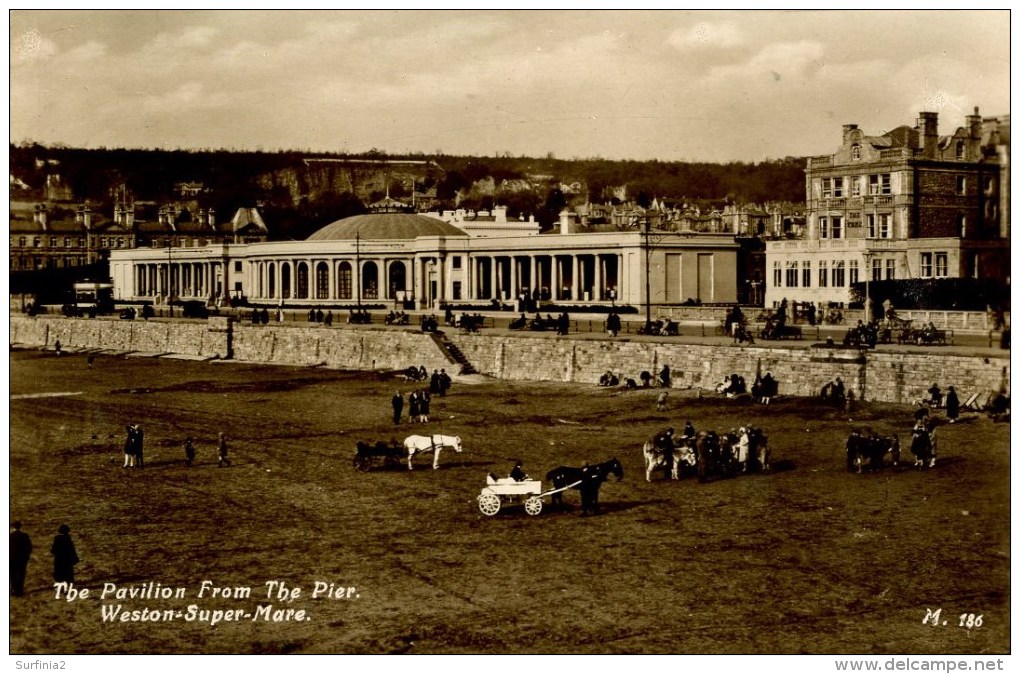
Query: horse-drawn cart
pixel 499 492
pixel 367 456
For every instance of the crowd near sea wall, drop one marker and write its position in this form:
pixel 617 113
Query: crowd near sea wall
pixel 943 320
pixel 887 376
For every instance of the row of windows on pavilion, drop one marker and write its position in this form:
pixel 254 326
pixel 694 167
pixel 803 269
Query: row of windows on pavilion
pixel 595 277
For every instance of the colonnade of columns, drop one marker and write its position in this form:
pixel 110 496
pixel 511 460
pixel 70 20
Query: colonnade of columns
pixel 195 280
pixel 577 277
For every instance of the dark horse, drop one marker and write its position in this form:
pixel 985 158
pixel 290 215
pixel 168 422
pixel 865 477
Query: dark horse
pixel 588 480
pixel 868 446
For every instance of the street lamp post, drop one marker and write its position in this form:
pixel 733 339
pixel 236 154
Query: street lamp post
pixel 648 271
pixel 867 286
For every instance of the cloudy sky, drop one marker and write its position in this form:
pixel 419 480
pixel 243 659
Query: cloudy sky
pixel 672 85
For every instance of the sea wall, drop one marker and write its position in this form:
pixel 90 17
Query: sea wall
pixel 362 348
pixel 886 376
pixel 889 376
pixel 192 338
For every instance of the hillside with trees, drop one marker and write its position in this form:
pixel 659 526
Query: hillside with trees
pixel 294 202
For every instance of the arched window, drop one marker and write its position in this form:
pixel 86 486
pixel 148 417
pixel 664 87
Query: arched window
pixel 398 279
pixel 302 281
pixel 285 280
pixel 322 281
pixel 271 273
pixel 370 281
pixel 855 151
pixel 344 287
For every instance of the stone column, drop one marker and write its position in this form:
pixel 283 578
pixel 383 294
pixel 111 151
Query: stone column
pixel 513 291
pixel 493 290
pixel 554 278
pixel 597 293
pixel 417 284
pixel 575 287
pixel 441 262
pixel 533 261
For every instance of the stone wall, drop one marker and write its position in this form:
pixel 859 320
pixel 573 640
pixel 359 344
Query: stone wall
pixel 885 376
pixel 880 375
pixel 904 378
pixel 352 348
pixel 192 338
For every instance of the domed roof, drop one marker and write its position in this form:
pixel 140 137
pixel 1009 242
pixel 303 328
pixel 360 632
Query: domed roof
pixel 374 226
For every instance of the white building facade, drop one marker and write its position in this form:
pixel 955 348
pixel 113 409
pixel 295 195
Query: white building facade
pixel 399 258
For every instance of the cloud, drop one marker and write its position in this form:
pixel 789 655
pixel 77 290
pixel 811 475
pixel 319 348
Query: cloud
pixel 724 85
pixel 90 51
pixel 783 59
pixel 707 36
pixel 196 36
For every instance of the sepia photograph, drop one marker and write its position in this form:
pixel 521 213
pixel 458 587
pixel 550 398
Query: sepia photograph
pixel 510 332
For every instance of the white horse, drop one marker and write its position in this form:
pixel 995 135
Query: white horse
pixel 655 458
pixel 415 444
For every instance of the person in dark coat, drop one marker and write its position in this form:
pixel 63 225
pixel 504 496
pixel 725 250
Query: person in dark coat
pixel 223 459
pixel 664 442
pixel 189 451
pixel 398 407
pixel 664 377
pixel 64 555
pixel 444 383
pixel 952 405
pixel 129 447
pixel 139 446
pixel 518 474
pixel 423 406
pixel 21 551
pixel 264 317
pixel 769 388
pixel 434 382
pixel 414 408
pixel 689 431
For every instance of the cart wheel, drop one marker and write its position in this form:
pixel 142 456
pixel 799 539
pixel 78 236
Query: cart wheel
pixel 488 504
pixel 533 505
pixel 362 463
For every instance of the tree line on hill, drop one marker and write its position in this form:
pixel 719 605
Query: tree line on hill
pixel 526 185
